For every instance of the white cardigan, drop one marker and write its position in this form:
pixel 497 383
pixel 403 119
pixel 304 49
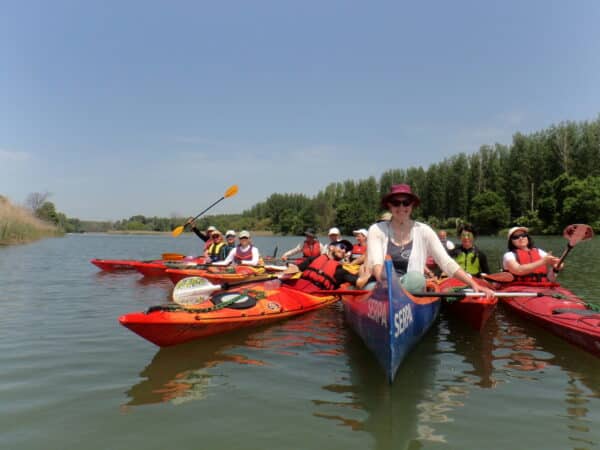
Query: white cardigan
pixel 424 243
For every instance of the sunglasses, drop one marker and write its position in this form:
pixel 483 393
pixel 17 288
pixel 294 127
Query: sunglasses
pixel 519 236
pixel 397 202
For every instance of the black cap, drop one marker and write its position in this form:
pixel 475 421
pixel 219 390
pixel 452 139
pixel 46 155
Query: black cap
pixel 344 245
pixel 310 232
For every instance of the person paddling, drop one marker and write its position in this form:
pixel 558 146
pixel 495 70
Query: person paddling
pixel 525 261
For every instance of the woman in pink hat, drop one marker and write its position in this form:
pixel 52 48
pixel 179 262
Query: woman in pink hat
pixel 409 242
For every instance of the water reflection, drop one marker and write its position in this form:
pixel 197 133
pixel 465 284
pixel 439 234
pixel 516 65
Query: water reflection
pixel 186 372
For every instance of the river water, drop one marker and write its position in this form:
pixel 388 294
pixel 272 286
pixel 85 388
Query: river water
pixel 71 377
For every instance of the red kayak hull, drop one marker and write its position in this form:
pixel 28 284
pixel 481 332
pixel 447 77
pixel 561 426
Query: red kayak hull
pixel 114 265
pixel 214 275
pixel 165 327
pixel 475 311
pixel 566 316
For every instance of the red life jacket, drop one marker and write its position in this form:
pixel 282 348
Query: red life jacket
pixel 526 256
pixel 240 255
pixel 321 272
pixel 313 249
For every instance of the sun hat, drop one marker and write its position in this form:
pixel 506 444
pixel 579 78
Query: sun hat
pixel 310 232
pixel 333 230
pixel 211 228
pixel 515 229
pixel 244 234
pixel 230 233
pixel 361 231
pixel 400 189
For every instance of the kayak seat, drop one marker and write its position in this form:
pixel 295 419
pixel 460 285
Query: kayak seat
pixel 581 312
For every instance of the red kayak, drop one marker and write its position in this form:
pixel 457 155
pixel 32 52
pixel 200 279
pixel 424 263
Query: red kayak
pixel 558 310
pixel 114 265
pixel 216 274
pixel 474 310
pixel 251 305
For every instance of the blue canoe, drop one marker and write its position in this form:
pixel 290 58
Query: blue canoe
pixel 390 320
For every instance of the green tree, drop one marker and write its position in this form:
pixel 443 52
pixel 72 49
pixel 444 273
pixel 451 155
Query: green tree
pixel 489 212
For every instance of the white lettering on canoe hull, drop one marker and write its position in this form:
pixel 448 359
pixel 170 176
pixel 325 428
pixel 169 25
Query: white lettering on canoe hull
pixel 377 312
pixel 402 319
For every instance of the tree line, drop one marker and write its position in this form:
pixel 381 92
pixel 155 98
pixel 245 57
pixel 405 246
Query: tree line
pixel 544 180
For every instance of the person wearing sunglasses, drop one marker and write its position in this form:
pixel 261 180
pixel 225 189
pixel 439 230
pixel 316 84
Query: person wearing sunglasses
pixel 409 242
pixel 245 253
pixel 525 261
pixel 470 258
pixel 327 271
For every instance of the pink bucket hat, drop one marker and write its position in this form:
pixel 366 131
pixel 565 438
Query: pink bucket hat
pixel 400 189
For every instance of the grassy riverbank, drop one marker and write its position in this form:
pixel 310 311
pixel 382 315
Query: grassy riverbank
pixel 19 226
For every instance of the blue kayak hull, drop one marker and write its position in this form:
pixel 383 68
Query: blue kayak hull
pixel 390 321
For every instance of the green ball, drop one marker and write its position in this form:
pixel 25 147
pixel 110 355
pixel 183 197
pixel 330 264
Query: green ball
pixel 413 282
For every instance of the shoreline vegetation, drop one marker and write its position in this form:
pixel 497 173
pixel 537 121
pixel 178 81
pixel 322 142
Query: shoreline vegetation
pixel 545 181
pixel 19 226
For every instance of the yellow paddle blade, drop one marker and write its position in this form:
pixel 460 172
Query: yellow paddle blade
pixel 231 191
pixel 177 231
pixel 172 256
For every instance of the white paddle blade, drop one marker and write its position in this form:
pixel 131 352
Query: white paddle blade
pixel 192 290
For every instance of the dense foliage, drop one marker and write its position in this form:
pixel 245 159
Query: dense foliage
pixel 545 180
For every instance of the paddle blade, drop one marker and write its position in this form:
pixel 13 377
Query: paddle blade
pixel 231 191
pixel 171 256
pixel 177 231
pixel 192 290
pixel 500 277
pixel 577 232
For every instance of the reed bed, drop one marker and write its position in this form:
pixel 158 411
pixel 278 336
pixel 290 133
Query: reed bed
pixel 19 226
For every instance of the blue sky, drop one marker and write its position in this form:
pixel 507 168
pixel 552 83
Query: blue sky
pixel 119 108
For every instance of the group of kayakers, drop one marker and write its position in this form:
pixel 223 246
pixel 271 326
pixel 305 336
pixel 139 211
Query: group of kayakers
pixel 411 245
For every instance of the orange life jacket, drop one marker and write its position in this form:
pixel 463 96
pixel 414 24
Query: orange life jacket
pixel 321 272
pixel 313 249
pixel 526 256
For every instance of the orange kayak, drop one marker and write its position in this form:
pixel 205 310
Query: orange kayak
pixel 158 268
pixel 216 274
pixel 247 306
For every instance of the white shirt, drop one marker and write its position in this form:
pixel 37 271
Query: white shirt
pixel 425 243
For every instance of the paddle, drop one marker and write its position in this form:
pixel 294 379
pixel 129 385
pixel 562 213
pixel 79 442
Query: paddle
pixel 574 234
pixel 481 294
pixel 499 277
pixel 193 290
pixel 228 193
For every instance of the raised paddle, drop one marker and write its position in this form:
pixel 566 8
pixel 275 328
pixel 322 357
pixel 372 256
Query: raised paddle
pixel 193 290
pixel 228 193
pixel 574 234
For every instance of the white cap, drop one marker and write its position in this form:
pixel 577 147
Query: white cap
pixel 211 228
pixel 230 233
pixel 513 229
pixel 386 216
pixel 333 230
pixel 361 231
pixel 244 234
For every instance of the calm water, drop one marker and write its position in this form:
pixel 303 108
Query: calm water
pixel 71 377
